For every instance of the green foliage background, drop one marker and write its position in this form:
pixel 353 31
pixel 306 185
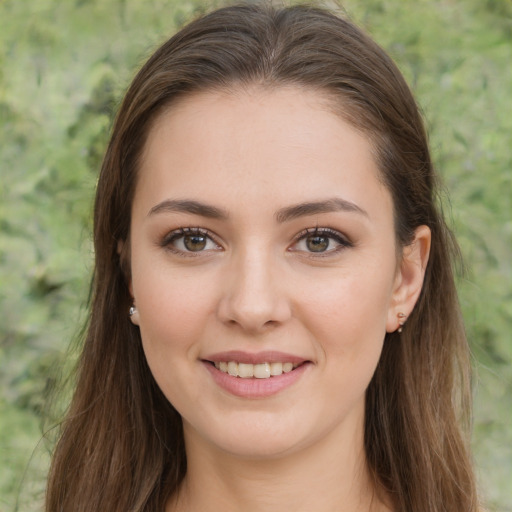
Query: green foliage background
pixel 63 69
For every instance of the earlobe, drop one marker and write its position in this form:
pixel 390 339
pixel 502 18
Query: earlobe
pixel 409 279
pixel 134 315
pixel 122 247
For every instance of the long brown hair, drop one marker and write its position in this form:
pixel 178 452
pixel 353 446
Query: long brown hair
pixel 121 446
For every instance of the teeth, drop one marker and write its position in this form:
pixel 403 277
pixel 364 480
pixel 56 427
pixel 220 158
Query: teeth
pixel 245 371
pixel 258 371
pixel 276 368
pixel 262 371
pixel 233 368
pixel 287 367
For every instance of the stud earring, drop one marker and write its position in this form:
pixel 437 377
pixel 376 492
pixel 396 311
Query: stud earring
pixel 133 315
pixel 401 321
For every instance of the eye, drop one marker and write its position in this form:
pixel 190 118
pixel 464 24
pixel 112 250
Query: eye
pixel 190 240
pixel 320 241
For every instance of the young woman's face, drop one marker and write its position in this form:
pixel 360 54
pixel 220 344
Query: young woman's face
pixel 262 240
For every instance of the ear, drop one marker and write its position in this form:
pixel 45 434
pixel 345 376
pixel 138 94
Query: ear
pixel 122 250
pixel 409 278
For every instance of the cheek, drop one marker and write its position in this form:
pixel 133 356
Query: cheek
pixel 174 320
pixel 350 302
pixel 174 309
pixel 348 317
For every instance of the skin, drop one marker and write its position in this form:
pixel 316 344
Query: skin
pixel 257 285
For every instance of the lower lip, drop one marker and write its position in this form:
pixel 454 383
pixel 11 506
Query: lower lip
pixel 255 388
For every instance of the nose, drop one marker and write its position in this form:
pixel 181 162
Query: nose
pixel 254 296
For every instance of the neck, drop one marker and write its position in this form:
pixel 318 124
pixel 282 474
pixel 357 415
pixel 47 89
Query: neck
pixel 314 478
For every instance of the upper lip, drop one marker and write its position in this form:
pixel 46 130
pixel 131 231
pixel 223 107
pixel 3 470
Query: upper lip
pixel 268 356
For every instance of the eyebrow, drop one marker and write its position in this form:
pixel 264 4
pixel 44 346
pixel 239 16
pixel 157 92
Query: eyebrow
pixel 189 206
pixel 335 204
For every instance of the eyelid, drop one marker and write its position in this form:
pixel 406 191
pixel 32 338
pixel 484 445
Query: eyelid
pixel 339 237
pixel 175 234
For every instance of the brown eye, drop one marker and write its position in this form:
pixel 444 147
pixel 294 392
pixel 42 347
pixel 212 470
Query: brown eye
pixel 317 243
pixel 190 240
pixel 320 241
pixel 195 243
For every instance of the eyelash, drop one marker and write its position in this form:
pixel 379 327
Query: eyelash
pixel 330 233
pixel 342 240
pixel 171 237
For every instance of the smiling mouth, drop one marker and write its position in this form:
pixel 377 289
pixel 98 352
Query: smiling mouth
pixel 258 371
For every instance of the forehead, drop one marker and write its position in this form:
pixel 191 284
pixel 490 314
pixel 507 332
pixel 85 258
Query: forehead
pixel 257 144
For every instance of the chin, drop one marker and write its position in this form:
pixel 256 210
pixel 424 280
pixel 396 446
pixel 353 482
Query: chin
pixel 260 447
pixel 260 438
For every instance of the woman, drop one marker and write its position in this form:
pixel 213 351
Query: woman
pixel 274 320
